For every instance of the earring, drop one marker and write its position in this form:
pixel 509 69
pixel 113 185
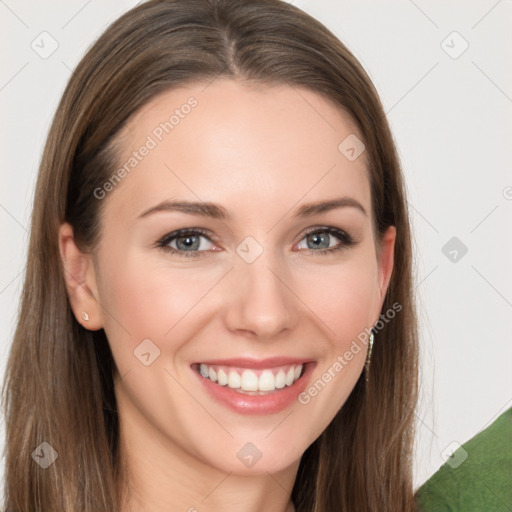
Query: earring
pixel 85 316
pixel 369 355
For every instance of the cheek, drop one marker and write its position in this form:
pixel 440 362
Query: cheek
pixel 341 296
pixel 342 300
pixel 148 299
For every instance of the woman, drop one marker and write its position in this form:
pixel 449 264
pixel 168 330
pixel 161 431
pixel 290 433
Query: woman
pixel 218 308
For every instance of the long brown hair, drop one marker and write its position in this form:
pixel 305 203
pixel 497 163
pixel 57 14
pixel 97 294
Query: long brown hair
pixel 58 385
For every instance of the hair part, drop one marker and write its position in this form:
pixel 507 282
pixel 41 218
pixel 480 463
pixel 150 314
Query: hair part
pixel 153 48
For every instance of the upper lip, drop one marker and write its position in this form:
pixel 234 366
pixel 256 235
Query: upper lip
pixel 246 362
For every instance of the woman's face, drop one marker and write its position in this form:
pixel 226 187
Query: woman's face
pixel 257 283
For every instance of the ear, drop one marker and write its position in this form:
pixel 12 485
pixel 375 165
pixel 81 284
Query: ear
pixel 80 280
pixel 385 262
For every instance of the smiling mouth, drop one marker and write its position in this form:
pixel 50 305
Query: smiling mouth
pixel 250 381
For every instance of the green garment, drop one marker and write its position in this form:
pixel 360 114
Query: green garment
pixel 477 477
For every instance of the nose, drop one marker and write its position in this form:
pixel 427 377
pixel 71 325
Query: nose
pixel 261 300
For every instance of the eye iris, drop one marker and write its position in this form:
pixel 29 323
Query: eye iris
pixel 315 237
pixel 191 242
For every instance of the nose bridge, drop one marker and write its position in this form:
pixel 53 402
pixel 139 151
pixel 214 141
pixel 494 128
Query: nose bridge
pixel 262 301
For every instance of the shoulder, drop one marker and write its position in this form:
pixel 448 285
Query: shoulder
pixel 478 476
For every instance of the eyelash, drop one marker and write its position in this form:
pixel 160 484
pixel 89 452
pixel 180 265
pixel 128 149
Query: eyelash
pixel 346 241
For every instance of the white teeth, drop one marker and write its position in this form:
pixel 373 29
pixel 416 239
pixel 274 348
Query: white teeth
pixel 249 379
pixel 222 377
pixel 289 376
pixel 233 380
pixel 280 379
pixel 267 381
pixel 212 374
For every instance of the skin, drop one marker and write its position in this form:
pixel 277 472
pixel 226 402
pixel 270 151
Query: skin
pixel 273 149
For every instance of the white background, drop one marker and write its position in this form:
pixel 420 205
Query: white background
pixel 451 118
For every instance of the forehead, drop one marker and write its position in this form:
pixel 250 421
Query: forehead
pixel 226 140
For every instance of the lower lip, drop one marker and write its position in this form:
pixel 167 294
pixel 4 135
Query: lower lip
pixel 258 404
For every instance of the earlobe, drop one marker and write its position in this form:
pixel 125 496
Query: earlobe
pixel 80 280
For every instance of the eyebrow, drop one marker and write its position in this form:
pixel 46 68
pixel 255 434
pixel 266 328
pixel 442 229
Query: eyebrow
pixel 216 211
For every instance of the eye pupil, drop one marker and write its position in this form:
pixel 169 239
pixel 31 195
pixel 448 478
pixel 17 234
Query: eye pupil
pixel 190 242
pixel 317 239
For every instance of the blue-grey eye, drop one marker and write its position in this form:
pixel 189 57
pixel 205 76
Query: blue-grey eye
pixel 318 240
pixel 324 240
pixel 189 242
